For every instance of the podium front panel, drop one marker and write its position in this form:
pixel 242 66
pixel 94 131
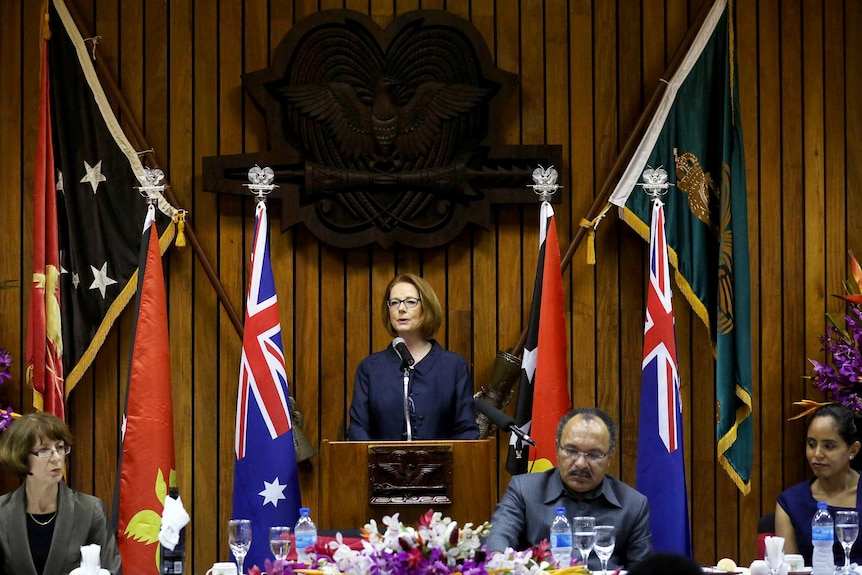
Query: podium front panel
pixel 363 480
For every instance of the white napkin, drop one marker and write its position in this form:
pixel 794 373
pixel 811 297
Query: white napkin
pixel 174 518
pixel 90 561
pixel 774 548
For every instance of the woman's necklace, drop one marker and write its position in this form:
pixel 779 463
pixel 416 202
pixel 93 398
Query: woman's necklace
pixel 43 523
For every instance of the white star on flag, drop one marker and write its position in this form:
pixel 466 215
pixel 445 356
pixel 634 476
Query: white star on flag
pixel 75 279
pixel 60 182
pixel 94 176
pixel 101 280
pixel 273 492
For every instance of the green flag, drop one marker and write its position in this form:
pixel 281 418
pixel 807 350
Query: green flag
pixel 696 133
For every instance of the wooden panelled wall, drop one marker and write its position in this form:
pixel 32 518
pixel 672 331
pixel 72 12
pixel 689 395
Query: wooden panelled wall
pixel 587 68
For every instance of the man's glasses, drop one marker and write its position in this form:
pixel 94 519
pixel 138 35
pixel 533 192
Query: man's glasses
pixel 61 450
pixel 590 456
pixel 409 303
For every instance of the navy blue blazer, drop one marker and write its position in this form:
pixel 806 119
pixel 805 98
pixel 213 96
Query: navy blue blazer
pixel 524 514
pixel 440 392
pixel 80 521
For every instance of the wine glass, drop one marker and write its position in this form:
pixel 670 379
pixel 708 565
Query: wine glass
pixel 584 530
pixel 239 539
pixel 847 529
pixel 604 545
pixel 279 542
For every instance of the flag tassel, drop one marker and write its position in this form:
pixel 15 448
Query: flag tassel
pixel 180 221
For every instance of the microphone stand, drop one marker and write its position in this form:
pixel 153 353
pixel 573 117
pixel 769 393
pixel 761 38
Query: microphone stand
pixel 406 371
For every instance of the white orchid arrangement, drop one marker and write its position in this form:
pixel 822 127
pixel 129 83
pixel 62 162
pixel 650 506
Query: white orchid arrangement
pixel 436 546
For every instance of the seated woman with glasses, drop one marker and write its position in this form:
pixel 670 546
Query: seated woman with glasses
pixel 45 523
pixel 430 399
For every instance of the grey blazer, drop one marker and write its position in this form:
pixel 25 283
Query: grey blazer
pixel 80 521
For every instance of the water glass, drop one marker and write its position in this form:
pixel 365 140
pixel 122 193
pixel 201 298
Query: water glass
pixel 239 539
pixel 279 542
pixel 584 531
pixel 846 529
pixel 604 544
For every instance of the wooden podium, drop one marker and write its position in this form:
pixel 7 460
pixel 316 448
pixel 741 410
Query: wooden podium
pixel 363 480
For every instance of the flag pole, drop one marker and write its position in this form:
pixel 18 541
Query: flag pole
pixel 140 143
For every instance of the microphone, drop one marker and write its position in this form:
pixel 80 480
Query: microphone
pixel 502 420
pixel 401 348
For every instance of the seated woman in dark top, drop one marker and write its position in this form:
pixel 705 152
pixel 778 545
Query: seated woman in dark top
pixel 439 387
pixel 831 443
pixel 45 523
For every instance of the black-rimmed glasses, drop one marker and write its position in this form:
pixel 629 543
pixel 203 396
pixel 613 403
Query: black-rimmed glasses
pixel 61 450
pixel 409 303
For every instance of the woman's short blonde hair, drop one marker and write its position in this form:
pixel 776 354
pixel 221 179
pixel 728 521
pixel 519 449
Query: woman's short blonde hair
pixel 432 312
pixel 17 442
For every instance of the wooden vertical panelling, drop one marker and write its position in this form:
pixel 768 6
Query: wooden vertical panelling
pixel 180 164
pixel 582 183
pixel 17 206
pixel 631 42
pixel 605 146
pixel 770 274
pixel 586 71
pixel 484 253
pixel 212 448
pixel 846 174
pixel 802 198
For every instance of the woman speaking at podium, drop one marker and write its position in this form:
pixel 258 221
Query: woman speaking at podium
pixel 414 389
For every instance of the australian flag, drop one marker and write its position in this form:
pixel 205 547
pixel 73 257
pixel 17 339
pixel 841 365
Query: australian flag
pixel 265 481
pixel 661 464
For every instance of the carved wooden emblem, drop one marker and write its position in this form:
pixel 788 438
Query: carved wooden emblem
pixel 380 135
pixel 419 476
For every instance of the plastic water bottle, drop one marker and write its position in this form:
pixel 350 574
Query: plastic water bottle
pixel 174 560
pixel 561 539
pixel 306 535
pixel 822 538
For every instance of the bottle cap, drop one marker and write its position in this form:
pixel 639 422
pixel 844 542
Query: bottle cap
pixel 561 510
pixel 821 505
pixel 304 511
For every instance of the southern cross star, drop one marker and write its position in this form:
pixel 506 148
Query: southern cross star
pixel 94 175
pixel 101 280
pixel 273 492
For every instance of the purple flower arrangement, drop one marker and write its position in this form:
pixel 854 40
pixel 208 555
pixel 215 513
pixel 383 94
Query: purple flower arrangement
pixel 842 380
pixel 5 366
pixel 5 375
